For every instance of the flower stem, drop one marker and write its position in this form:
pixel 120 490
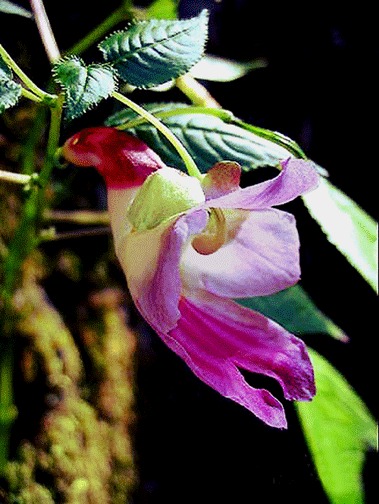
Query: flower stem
pixel 196 92
pixel 187 159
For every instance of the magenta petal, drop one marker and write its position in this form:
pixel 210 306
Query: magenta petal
pixel 297 177
pixel 261 259
pixel 216 336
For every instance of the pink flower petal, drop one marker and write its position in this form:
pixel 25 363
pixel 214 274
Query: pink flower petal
pixel 261 257
pixel 151 260
pixel 297 177
pixel 216 337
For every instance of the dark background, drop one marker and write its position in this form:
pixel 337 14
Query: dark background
pixel 192 444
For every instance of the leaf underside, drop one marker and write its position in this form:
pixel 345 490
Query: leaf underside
pixel 153 52
pixel 85 86
pixel 348 227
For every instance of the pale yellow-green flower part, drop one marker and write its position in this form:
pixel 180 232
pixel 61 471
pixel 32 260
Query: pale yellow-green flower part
pixel 164 193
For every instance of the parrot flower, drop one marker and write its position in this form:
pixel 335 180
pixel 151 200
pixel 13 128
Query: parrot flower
pixel 189 247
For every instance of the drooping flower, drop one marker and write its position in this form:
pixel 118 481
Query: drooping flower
pixel 189 247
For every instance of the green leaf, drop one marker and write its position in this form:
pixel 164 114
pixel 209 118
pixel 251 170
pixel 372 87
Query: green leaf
pixel 12 8
pixel 153 52
pixel 339 429
pixel 348 227
pixel 5 72
pixel 208 138
pixel 85 86
pixel 294 310
pixel 10 93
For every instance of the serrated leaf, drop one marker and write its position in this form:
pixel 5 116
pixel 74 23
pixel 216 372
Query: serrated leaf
pixel 85 86
pixel 5 72
pixel 12 8
pixel 294 310
pixel 10 93
pixel 339 429
pixel 208 139
pixel 153 52
pixel 348 227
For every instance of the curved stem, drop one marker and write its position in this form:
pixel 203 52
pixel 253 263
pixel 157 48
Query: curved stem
pixel 225 115
pixel 187 159
pixel 33 88
pixel 30 95
pixel 196 92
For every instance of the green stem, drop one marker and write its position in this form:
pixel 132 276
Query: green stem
pixel 52 142
pixel 224 115
pixel 8 411
pixel 120 14
pixel 187 159
pixel 30 95
pixel 273 136
pixel 46 97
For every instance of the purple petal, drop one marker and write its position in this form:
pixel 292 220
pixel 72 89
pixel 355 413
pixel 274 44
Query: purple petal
pixel 261 258
pixel 297 177
pixel 215 337
pixel 151 260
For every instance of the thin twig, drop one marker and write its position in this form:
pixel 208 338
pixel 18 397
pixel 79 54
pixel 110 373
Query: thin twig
pixel 17 178
pixel 77 216
pixel 45 30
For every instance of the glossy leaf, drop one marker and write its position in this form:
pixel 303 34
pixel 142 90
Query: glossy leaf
pixel 348 227
pixel 153 52
pixel 339 430
pixel 208 138
pixel 85 86
pixel 295 311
